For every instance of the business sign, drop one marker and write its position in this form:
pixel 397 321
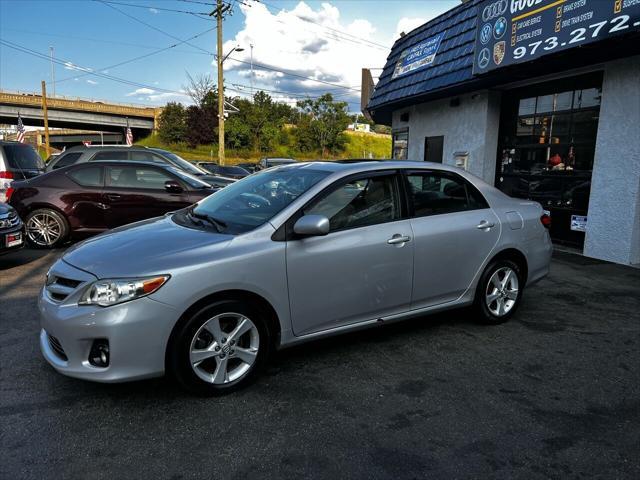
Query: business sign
pixel 418 56
pixel 516 31
pixel 578 223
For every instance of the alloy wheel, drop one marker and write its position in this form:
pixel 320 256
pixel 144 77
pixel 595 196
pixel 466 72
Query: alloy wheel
pixel 224 348
pixel 502 291
pixel 44 229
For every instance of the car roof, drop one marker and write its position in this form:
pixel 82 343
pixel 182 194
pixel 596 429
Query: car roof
pixel 86 148
pixel 365 165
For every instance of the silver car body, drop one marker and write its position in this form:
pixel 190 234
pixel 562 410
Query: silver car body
pixel 316 286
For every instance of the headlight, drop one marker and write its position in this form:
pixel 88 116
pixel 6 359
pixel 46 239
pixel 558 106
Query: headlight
pixel 111 292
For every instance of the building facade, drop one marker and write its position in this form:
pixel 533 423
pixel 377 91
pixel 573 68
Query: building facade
pixel 540 98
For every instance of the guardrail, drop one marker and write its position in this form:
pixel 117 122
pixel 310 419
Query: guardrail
pixel 66 103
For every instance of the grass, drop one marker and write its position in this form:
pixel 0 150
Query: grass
pixel 359 145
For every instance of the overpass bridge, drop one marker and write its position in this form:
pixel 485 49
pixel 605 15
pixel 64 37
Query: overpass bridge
pixel 77 113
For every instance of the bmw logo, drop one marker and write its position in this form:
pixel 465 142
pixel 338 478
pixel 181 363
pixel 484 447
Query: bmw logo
pixel 499 28
pixel 485 33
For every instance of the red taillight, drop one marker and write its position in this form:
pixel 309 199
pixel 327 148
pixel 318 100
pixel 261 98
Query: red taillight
pixel 545 220
pixel 4 174
pixel 8 194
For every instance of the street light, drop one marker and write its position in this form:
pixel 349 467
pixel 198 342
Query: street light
pixel 221 60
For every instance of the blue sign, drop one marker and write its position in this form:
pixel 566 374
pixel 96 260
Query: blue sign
pixel 418 56
pixel 517 31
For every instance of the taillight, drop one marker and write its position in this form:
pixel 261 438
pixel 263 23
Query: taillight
pixel 5 185
pixel 4 174
pixel 545 220
pixel 8 194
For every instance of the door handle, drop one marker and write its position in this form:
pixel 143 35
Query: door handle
pixel 397 239
pixel 113 196
pixel 484 225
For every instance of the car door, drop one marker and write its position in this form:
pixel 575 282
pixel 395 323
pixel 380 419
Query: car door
pixel 454 231
pixel 137 192
pixel 362 269
pixel 85 208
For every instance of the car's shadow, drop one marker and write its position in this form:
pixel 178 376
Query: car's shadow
pixel 22 257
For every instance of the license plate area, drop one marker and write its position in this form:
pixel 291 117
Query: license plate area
pixel 13 239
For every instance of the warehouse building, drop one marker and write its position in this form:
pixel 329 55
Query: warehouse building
pixel 540 98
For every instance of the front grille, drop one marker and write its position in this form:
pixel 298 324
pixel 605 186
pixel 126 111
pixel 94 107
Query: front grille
pixel 55 345
pixel 60 288
pixel 9 221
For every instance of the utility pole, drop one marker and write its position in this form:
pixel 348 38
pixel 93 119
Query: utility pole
pixel 251 45
pixel 46 118
pixel 53 71
pixel 219 13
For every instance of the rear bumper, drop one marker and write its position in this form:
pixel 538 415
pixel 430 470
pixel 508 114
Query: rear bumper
pixel 539 258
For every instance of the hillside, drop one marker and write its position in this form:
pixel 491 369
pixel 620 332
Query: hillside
pixel 359 145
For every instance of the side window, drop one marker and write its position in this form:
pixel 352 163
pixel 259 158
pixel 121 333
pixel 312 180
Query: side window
pixel 67 159
pixel 88 176
pixel 434 193
pixel 147 157
pixel 110 155
pixel 137 177
pixel 360 202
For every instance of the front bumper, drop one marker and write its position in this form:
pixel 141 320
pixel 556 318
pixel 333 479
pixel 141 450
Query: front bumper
pixel 12 231
pixel 137 332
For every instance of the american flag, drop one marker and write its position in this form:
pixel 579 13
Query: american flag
pixel 20 130
pixel 128 135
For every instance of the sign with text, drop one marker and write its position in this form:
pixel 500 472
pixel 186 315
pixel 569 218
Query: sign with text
pixel 418 56
pixel 516 31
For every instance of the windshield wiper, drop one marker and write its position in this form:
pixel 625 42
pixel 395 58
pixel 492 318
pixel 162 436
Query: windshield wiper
pixel 219 225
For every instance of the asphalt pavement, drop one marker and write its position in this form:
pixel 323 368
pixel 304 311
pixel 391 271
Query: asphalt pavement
pixel 555 393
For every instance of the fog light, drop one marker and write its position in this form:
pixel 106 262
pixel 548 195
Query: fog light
pixel 99 354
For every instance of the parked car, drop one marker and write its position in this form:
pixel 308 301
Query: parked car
pixel 220 182
pixel 91 153
pixel 11 229
pixel 269 162
pixel 284 256
pixel 85 199
pixel 229 171
pixel 17 162
pixel 250 167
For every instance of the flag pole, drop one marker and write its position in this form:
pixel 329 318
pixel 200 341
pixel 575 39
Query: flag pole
pixel 46 118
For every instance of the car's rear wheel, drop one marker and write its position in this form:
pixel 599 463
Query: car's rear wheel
pixel 220 348
pixel 499 291
pixel 46 228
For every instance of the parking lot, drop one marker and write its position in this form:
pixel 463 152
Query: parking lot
pixel 555 393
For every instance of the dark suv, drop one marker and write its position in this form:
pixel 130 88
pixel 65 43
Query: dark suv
pixel 11 229
pixel 18 161
pixel 82 154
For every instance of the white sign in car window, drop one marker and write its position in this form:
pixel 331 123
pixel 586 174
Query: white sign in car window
pixel 578 223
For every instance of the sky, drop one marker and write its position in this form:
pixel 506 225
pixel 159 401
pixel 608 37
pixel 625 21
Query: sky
pixel 140 51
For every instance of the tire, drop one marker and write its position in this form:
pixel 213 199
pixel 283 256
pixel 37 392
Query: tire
pixel 46 228
pixel 204 343
pixel 496 301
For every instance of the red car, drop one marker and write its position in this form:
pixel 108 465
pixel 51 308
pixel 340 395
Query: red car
pixel 89 198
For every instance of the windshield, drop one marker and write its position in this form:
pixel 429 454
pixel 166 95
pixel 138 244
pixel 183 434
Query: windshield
pixel 23 157
pixel 190 179
pixel 254 200
pixel 182 163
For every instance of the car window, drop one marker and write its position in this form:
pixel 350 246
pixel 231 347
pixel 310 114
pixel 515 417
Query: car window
pixel 360 202
pixel 137 177
pixel 182 163
pixel 67 159
pixel 23 157
pixel 111 155
pixel 233 170
pixel 87 176
pixel 434 193
pixel 251 202
pixel 147 157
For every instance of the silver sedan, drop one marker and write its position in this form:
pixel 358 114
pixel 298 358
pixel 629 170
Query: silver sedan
pixel 285 256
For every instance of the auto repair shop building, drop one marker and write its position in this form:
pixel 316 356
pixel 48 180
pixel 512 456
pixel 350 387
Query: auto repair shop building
pixel 540 98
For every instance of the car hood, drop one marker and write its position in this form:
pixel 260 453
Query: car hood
pixel 150 247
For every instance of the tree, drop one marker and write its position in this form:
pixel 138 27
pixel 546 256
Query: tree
pixel 201 89
pixel 201 123
pixel 171 123
pixel 322 124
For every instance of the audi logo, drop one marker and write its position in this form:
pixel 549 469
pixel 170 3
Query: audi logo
pixel 494 10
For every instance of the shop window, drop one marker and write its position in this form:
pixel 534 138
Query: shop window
pixel 527 106
pixel 589 97
pixel 400 147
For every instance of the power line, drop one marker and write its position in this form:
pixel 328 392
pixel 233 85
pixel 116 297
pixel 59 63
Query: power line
pixel 152 7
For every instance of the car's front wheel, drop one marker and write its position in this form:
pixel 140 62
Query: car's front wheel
pixel 220 348
pixel 46 228
pixel 499 291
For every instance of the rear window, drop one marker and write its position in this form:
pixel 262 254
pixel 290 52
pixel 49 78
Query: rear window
pixel 111 155
pixel 88 176
pixel 67 159
pixel 233 170
pixel 23 157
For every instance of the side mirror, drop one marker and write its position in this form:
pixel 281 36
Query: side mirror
pixel 312 225
pixel 172 186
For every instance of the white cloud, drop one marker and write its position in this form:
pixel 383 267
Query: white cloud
pixel 92 82
pixel 286 42
pixel 406 24
pixel 150 95
pixel 141 91
pixel 72 66
pixel 153 10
